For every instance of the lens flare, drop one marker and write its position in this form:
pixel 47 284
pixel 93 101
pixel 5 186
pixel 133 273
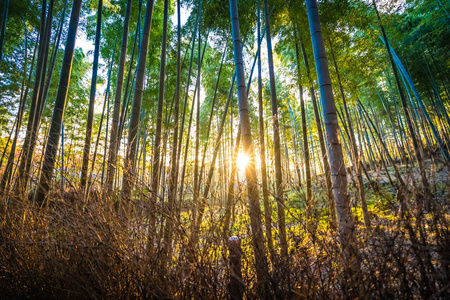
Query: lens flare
pixel 242 161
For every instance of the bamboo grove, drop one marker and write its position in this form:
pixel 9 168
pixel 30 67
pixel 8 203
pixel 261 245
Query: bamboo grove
pixel 212 149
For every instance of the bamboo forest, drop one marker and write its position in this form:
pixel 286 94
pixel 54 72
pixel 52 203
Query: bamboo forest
pixel 234 149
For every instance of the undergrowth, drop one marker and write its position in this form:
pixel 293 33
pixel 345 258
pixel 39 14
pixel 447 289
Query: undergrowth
pixel 78 249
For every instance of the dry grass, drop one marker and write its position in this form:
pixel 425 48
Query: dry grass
pixel 77 249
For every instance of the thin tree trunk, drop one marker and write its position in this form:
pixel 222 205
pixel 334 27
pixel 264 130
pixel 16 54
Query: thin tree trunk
pixel 196 229
pixel 9 166
pixel 3 29
pixel 186 148
pixel 115 138
pixel 62 161
pixel 279 197
pixel 354 148
pixel 90 117
pixel 197 123
pixel 336 158
pixel 129 165
pixel 391 161
pixel 230 192
pixel 106 141
pixel 105 102
pixel 125 106
pixel 399 119
pixel 186 94
pixel 367 144
pixel 417 118
pixel 405 108
pixel 194 106
pixel 55 53
pixel 132 79
pixel 304 129
pixel 312 92
pixel 157 143
pixel 188 135
pixel 295 136
pixel 262 145
pixel 173 181
pixel 41 100
pixel 208 130
pixel 286 153
pixel 397 141
pixel 60 104
pixel 215 152
pixel 253 194
pixel 29 141
pixel 8 140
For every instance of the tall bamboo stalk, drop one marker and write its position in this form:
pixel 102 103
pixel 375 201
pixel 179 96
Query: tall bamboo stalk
pixel 279 196
pixel 115 138
pixel 157 143
pixel 34 115
pixel 129 164
pixel 253 194
pixel 90 118
pixel 335 156
pixel 3 28
pixel 197 120
pixel 173 181
pixel 303 114
pixel 354 148
pixel 9 166
pixel 324 158
pixel 60 104
pixel 406 111
pixel 262 145
pixel 105 105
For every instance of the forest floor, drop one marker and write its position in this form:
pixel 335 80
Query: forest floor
pixel 76 249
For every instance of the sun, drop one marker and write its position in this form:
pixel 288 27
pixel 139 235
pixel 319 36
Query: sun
pixel 242 161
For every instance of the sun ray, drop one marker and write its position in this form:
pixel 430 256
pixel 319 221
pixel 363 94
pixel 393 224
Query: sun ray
pixel 242 161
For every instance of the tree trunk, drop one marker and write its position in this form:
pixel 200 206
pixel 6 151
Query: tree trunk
pixel 203 203
pixel 187 138
pixel 331 203
pixel 253 194
pixel 400 147
pixel 405 108
pixel 173 181
pixel 105 102
pixel 12 154
pixel 115 138
pixel 90 117
pixel 194 239
pixel 304 129
pixel 186 94
pixel 230 192
pixel 157 144
pixel 126 94
pixel 62 161
pixel 197 120
pixel 129 164
pixel 354 148
pixel 60 104
pixel 383 144
pixel 208 130
pixel 29 141
pixel 3 29
pixel 335 156
pixel 279 197
pixel 262 145
pixel 54 53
